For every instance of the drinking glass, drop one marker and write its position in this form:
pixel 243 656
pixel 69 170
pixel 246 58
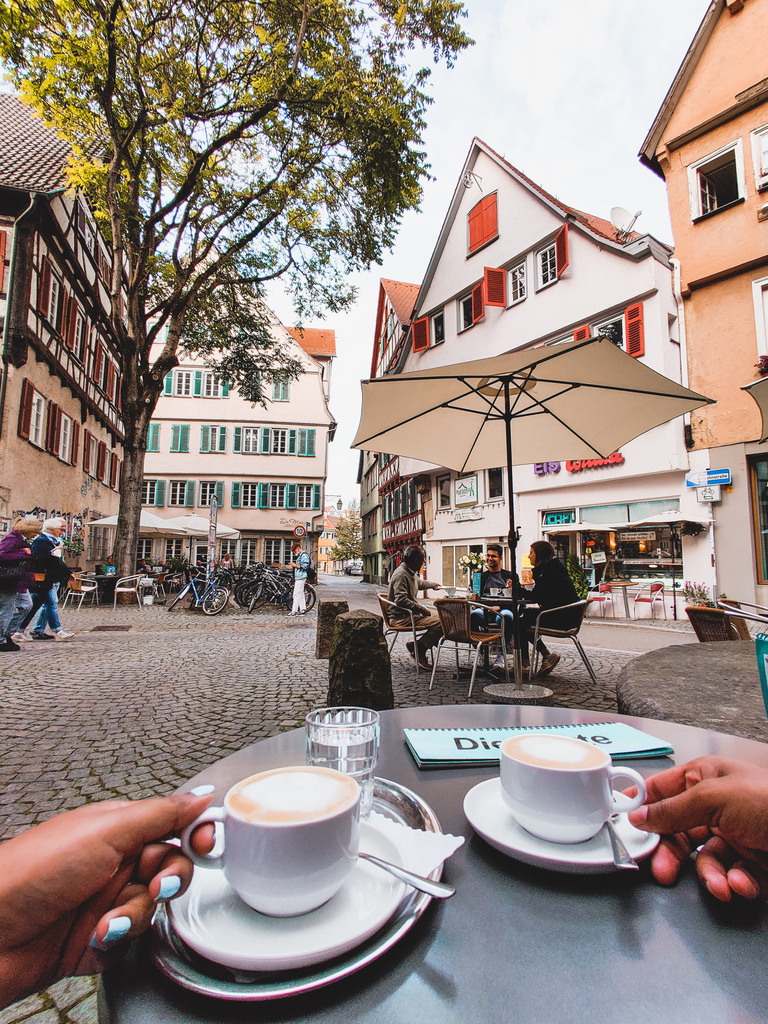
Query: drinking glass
pixel 346 739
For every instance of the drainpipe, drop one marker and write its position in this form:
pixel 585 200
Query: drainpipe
pixel 678 291
pixel 9 300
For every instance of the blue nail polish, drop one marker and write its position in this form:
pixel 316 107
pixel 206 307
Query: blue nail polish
pixel 202 790
pixel 118 929
pixel 169 886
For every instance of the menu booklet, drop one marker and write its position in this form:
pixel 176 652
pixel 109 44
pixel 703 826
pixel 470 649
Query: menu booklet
pixel 452 748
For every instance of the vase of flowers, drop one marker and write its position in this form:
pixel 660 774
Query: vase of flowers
pixel 472 564
pixel 696 593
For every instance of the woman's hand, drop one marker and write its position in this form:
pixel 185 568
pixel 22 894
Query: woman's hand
pixel 73 887
pixel 720 804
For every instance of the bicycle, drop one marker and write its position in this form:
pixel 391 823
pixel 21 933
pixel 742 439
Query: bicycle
pixel 212 598
pixel 277 588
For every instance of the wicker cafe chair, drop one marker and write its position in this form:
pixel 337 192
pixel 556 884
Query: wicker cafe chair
pixel 542 629
pixel 711 624
pixel 457 629
pixel 80 586
pixel 756 612
pixel 394 629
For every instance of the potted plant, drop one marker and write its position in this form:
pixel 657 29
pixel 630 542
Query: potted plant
pixel 471 564
pixel 696 593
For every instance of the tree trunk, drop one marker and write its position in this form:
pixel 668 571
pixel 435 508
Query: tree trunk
pixel 137 413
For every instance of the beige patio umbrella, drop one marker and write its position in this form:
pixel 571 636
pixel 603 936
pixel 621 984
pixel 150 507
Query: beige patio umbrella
pixel 150 525
pixel 759 391
pixel 582 399
pixel 197 526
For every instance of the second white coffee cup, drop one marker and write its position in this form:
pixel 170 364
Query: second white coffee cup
pixel 560 789
pixel 290 838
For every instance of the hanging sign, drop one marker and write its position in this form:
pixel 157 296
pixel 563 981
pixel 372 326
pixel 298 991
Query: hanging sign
pixel 708 476
pixel 710 492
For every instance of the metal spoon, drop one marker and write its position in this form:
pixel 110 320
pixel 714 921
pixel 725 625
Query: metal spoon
pixel 621 855
pixel 438 889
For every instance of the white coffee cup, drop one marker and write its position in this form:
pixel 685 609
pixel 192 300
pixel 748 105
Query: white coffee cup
pixel 290 838
pixel 560 788
pixel 450 591
pixel 507 591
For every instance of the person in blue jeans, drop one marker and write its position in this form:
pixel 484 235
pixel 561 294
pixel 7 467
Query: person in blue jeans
pixel 300 565
pixel 496 578
pixel 47 552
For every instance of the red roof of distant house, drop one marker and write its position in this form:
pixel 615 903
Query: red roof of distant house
pixel 403 297
pixel 316 341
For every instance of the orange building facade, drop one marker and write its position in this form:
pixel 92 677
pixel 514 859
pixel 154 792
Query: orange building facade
pixel 709 142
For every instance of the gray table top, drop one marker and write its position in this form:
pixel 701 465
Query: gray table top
pixel 515 942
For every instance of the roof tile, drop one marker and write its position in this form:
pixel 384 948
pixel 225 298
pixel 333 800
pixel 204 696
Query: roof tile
pixel 32 156
pixel 316 341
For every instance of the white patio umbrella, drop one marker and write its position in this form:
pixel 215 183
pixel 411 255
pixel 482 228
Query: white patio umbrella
pixel 150 525
pixel 197 526
pixel 759 391
pixel 582 399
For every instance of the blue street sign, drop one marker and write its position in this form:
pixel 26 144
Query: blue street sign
pixel 707 477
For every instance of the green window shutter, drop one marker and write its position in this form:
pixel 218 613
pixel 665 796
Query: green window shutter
pixel 175 435
pixel 168 384
pixel 290 495
pixel 264 441
pixel 153 438
pixel 205 439
pixel 235 503
pixel 184 438
pixel 225 390
pixel 222 445
pixel 198 383
pixel 291 442
pixel 317 494
pixel 220 492
pixel 237 439
pixel 189 496
pixel 311 442
pixel 263 495
pixel 160 493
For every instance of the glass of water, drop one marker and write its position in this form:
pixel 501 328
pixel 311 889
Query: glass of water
pixel 346 739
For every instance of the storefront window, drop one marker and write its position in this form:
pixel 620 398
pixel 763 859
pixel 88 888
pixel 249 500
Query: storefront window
pixel 759 474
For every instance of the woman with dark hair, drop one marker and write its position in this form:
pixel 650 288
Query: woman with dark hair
pixel 552 587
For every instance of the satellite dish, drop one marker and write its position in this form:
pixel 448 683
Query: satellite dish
pixel 623 220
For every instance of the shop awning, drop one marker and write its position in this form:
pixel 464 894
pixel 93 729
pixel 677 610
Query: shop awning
pixel 660 519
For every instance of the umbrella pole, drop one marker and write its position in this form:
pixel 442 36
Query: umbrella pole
pixel 519 691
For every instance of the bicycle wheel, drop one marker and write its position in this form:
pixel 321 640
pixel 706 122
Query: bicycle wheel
pixel 258 599
pixel 244 591
pixel 309 596
pixel 215 600
pixel 182 593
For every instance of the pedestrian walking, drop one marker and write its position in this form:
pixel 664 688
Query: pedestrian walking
pixel 50 571
pixel 300 565
pixel 16 577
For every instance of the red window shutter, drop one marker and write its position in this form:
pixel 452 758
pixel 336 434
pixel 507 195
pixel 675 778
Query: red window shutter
pixel 113 471
pixel 75 442
pixel 633 329
pixel 561 249
pixel 475 227
pixel 101 468
pixel 420 334
pixel 478 308
pixel 44 285
pixel 53 427
pixel 56 430
pixel 111 382
pixel 490 218
pixel 87 450
pixel 70 336
pixel 118 392
pixel 2 260
pixel 98 362
pixel 25 408
pixel 495 287
pixel 582 333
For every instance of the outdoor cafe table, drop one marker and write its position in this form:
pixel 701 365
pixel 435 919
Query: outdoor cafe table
pixel 515 943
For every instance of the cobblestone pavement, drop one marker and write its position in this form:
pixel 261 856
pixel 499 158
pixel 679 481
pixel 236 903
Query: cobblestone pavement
pixel 137 710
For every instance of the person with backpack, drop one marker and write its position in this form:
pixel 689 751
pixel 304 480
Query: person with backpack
pixel 300 567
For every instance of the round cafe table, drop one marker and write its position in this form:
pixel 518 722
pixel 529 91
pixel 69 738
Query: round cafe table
pixel 515 942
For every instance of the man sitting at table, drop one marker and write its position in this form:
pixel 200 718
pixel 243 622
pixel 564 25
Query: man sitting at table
pixel 496 578
pixel 403 590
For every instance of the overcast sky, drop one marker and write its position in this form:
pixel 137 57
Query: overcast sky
pixel 566 92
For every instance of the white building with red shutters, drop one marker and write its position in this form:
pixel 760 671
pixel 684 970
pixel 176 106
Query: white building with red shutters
pixel 514 268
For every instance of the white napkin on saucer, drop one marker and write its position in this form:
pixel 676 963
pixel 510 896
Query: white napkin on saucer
pixel 421 851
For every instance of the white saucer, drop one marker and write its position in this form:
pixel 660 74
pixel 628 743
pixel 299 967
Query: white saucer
pixel 490 817
pixel 212 919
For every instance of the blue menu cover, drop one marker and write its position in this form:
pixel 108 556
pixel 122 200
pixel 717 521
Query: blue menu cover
pixel 454 748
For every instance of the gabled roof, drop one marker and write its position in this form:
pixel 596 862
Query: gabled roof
pixel 316 341
pixel 402 296
pixel 599 229
pixel 32 156
pixel 647 152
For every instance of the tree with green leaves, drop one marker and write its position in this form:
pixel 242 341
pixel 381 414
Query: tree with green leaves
pixel 349 536
pixel 223 144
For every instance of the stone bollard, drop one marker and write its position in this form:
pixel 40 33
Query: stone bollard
pixel 327 612
pixel 359 669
